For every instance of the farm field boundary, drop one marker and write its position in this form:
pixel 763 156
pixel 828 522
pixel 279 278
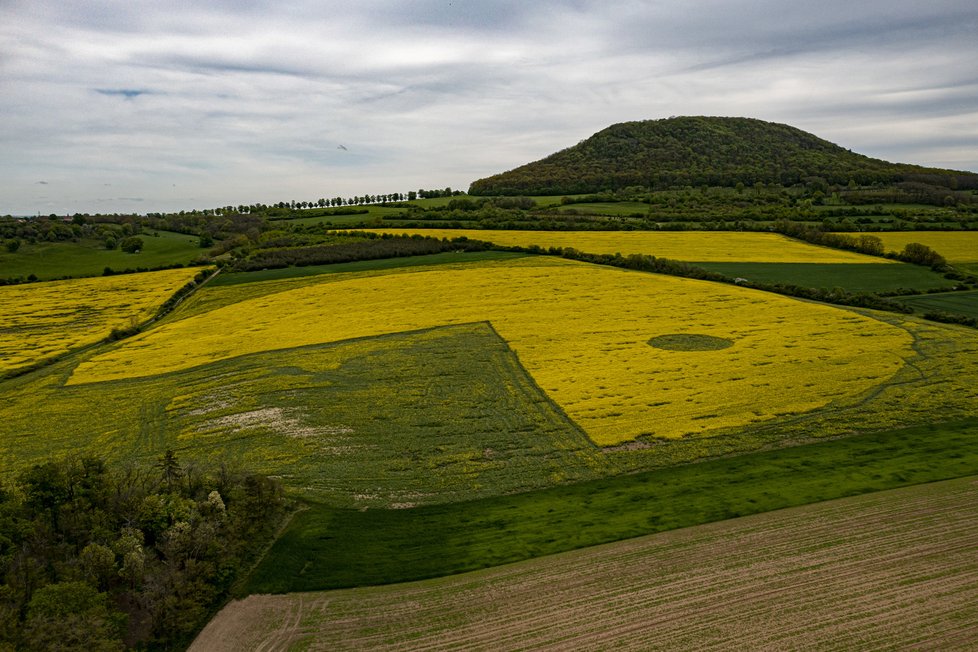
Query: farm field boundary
pixel 238 278
pixel 704 246
pixel 335 548
pixel 590 353
pixel 960 248
pixel 394 421
pixel 51 260
pixel 880 277
pixel 46 320
pixel 878 571
pixel 766 258
pixel 962 303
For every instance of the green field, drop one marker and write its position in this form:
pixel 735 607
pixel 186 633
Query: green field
pixel 960 303
pixel 971 268
pixel 235 278
pixel 50 260
pixel 332 548
pixel 374 422
pixel 883 277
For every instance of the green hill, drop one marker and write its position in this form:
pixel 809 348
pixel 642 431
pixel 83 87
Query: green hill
pixel 701 151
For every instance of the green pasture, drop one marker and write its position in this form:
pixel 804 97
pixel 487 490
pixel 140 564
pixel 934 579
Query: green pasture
pixel 327 548
pixel 868 277
pixel 960 303
pixel 971 268
pixel 50 260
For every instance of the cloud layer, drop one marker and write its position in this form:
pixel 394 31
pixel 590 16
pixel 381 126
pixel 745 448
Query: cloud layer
pixel 133 106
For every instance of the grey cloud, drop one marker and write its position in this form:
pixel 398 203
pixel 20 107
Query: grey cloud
pixel 246 101
pixel 128 93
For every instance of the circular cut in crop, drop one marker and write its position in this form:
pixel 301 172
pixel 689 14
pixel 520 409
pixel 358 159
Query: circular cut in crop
pixel 690 342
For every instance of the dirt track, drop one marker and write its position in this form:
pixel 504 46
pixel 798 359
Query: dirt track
pixel 896 569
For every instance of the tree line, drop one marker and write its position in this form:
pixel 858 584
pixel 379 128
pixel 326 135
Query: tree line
pixel 351 247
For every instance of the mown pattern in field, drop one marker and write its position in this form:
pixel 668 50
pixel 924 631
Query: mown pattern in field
pixel 888 570
pixel 961 303
pixel 690 246
pixel 580 330
pixel 41 320
pixel 408 419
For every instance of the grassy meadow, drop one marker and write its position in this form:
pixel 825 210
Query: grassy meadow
pixel 962 303
pixel 871 277
pixel 53 260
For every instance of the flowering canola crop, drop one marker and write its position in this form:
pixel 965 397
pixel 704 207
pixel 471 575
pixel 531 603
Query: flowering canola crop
pixel 955 246
pixel 40 320
pixel 582 332
pixel 690 246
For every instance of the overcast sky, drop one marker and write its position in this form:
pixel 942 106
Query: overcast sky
pixel 133 106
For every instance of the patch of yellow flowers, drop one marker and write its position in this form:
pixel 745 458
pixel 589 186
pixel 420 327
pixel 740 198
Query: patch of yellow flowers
pixel 41 320
pixel 691 246
pixel 955 246
pixel 580 330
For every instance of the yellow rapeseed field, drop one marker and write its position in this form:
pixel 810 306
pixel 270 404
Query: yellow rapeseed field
pixel 955 246
pixel 581 331
pixel 691 246
pixel 40 320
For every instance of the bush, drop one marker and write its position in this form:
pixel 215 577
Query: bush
pixel 131 244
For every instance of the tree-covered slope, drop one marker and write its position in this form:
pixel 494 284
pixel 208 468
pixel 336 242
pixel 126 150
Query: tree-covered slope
pixel 703 151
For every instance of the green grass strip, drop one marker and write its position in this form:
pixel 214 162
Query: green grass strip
pixel 236 278
pixel 327 548
pixel 859 277
pixel 961 303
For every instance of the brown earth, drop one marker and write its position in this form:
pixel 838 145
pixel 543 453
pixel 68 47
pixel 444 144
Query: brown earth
pixel 891 570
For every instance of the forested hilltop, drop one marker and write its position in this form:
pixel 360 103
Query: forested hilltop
pixel 704 151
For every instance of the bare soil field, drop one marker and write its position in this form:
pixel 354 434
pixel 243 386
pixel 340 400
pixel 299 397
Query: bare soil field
pixel 890 570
